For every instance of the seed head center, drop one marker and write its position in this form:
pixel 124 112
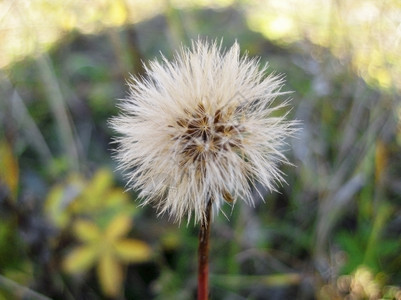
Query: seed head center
pixel 203 134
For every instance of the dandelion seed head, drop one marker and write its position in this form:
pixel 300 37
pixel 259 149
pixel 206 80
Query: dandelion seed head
pixel 201 128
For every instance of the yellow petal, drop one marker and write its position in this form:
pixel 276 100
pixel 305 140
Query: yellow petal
pixel 61 200
pixel 86 231
pixel 118 227
pixel 97 188
pixel 55 211
pixel 80 259
pixel 132 250
pixel 381 158
pixel 116 196
pixel 110 275
pixel 8 168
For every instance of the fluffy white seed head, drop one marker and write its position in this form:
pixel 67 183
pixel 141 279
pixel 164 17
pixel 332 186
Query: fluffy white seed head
pixel 201 128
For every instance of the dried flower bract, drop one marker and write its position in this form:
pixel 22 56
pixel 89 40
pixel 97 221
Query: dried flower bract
pixel 201 128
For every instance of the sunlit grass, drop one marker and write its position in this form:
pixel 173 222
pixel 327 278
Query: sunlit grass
pixel 29 27
pixel 365 33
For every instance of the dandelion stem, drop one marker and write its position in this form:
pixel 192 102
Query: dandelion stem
pixel 203 255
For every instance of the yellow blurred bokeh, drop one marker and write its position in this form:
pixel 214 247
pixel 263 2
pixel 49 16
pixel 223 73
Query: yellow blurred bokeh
pixel 365 33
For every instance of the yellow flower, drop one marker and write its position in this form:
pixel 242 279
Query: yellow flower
pixel 107 249
pixel 80 196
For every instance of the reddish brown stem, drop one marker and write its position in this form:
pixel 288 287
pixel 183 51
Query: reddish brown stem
pixel 203 255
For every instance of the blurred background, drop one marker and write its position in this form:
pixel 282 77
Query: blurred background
pixel 69 231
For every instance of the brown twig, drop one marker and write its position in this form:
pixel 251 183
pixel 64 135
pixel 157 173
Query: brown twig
pixel 203 255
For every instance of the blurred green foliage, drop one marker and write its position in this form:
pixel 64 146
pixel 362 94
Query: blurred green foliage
pixel 67 228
